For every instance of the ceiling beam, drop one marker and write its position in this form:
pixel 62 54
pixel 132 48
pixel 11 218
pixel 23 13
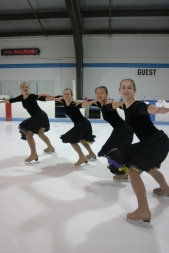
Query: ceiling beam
pixel 40 15
pixel 126 13
pixel 94 32
pixel 88 14
pixel 77 30
pixel 122 31
pixel 37 17
pixel 37 33
pixel 110 21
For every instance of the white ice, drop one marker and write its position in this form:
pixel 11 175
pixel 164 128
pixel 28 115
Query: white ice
pixel 50 206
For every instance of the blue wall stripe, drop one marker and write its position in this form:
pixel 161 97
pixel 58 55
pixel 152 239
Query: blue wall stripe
pixel 91 120
pixel 85 65
pixel 125 65
pixel 38 65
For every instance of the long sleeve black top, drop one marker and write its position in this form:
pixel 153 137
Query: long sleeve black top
pixel 30 103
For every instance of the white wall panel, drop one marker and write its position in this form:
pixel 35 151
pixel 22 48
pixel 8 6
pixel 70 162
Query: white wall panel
pixel 33 86
pixel 61 78
pixel 150 87
pixel 126 48
pixel 97 49
pixel 54 48
pixel 19 112
pixel 2 111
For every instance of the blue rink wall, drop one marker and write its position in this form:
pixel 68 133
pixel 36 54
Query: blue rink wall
pixel 91 120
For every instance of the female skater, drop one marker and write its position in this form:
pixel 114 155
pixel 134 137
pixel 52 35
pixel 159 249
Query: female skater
pixel 38 122
pixel 82 130
pixel 121 135
pixel 147 155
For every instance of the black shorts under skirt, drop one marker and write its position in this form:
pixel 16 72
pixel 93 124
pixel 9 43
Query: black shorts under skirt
pixel 145 155
pixel 122 135
pixel 34 123
pixel 80 131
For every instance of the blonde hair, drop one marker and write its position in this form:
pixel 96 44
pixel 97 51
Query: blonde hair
pixel 24 83
pixel 129 79
pixel 69 90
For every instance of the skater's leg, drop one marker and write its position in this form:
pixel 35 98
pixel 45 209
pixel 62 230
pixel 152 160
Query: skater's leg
pixel 118 177
pixel 159 178
pixel 82 158
pixel 142 212
pixel 44 138
pixel 88 148
pixel 31 142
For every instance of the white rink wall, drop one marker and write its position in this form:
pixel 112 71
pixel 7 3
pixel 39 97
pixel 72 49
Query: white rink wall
pixel 18 112
pixel 107 60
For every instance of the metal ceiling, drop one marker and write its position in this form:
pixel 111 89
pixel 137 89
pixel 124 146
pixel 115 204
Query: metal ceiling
pixel 81 17
pixel 51 17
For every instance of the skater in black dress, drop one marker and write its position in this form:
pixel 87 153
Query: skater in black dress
pixel 82 130
pixel 121 134
pixel 146 155
pixel 38 123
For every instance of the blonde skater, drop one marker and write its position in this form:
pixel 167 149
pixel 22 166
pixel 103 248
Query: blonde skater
pixel 81 131
pixel 146 155
pixel 38 123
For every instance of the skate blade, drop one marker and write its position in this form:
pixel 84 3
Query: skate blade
pixel 49 152
pixel 31 162
pixel 121 180
pixel 82 165
pixel 91 158
pixel 165 196
pixel 140 223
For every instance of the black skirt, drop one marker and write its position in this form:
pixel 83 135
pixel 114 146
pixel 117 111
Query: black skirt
pixel 122 135
pixel 80 131
pixel 145 155
pixel 34 123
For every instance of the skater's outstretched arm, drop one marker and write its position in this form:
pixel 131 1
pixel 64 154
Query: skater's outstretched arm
pixel 51 98
pixel 152 109
pixel 115 104
pixel 44 95
pixel 86 104
pixel 4 101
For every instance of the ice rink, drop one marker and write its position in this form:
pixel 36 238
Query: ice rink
pixel 50 206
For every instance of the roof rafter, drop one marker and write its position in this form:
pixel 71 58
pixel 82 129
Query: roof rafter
pixel 77 30
pixel 88 14
pixel 37 33
pixel 69 32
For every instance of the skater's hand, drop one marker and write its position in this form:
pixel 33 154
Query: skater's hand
pixel 59 99
pixel 110 101
pixel 151 109
pixel 161 110
pixel 115 104
pixel 40 95
pixel 44 95
pixel 76 103
pixel 95 102
pixel 86 104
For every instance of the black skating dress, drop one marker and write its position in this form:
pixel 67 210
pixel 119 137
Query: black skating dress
pixel 153 147
pixel 121 135
pixel 82 129
pixel 38 119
